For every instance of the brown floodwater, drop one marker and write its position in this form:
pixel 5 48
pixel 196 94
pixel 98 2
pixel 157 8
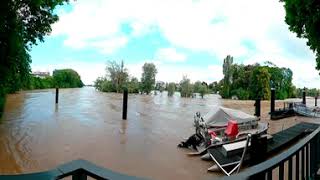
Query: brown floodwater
pixel 36 134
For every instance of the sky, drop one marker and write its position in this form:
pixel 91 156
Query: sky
pixel 181 37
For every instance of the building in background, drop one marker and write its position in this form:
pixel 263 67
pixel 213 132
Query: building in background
pixel 40 74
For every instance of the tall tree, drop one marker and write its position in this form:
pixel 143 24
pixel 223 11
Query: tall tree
pixel 148 77
pixel 303 18
pixel 118 75
pixel 260 83
pixel 171 89
pixel 227 72
pixel 22 23
pixel 67 78
pixel 186 88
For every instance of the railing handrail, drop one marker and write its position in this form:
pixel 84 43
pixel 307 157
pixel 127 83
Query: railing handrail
pixel 275 161
pixel 77 167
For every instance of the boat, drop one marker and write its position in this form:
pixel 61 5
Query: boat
pixel 221 126
pixel 302 109
pixel 256 148
pixel 286 111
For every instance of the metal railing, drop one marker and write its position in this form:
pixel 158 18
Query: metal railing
pixel 300 161
pixel 78 170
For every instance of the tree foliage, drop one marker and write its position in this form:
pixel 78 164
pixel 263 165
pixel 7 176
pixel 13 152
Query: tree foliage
pixel 39 83
pixel 186 88
pixel 303 18
pixel 133 85
pixel 22 23
pixel 171 88
pixel 227 79
pixel 116 79
pixel 254 81
pixel 67 78
pixel 203 90
pixel 117 74
pixel 148 77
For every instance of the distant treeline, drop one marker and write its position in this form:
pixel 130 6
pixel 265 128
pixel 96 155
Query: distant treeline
pixel 62 78
pixel 240 81
pixel 255 81
pixel 117 79
pixel 309 92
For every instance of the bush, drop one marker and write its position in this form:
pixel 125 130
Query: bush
pixel 203 89
pixel 171 89
pixel 241 94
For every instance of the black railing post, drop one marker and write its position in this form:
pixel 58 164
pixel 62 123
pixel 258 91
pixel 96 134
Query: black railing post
pixel 315 100
pixel 313 155
pixel 79 175
pixel 57 95
pixel 257 105
pixel 304 96
pixel 273 98
pixel 125 104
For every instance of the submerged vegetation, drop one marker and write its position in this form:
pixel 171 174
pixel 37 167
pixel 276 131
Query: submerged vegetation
pixel 117 78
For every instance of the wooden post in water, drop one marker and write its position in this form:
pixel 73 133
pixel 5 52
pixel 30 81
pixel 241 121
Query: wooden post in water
pixel 316 100
pixel 273 99
pixel 304 96
pixel 125 104
pixel 57 95
pixel 257 105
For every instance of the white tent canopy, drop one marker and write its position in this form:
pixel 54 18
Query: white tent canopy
pixel 221 117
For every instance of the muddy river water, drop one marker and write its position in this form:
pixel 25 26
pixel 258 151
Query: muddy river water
pixel 36 134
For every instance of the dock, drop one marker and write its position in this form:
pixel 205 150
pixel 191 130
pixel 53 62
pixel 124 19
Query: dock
pixel 275 144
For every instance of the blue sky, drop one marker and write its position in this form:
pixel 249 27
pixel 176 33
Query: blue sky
pixel 181 37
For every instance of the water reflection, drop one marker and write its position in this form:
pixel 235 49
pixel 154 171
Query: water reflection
pixel 37 134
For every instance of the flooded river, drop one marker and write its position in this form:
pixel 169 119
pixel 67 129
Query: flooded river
pixel 36 134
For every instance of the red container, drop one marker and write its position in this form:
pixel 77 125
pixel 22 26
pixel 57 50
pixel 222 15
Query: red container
pixel 232 128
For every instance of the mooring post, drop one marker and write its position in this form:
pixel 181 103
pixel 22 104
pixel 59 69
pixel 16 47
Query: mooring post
pixel 304 96
pixel 57 95
pixel 125 104
pixel 273 98
pixel 316 100
pixel 257 105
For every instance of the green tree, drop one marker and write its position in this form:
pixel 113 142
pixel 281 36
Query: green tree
pixel 203 89
pixel 148 77
pixel 214 87
pixel 22 23
pixel 118 75
pixel 171 89
pixel 260 83
pixel 67 78
pixel 197 86
pixel 98 83
pixel 133 85
pixel 303 18
pixel 186 88
pixel 227 80
pixel 41 83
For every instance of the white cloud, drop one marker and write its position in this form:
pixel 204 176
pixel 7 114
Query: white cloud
pixel 169 54
pixel 174 73
pixel 195 26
